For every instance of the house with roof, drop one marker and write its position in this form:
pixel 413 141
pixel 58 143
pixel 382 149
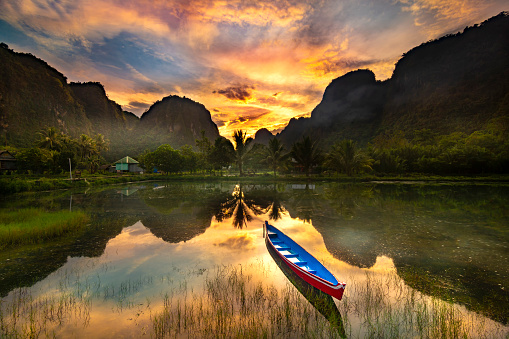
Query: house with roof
pixel 7 161
pixel 128 164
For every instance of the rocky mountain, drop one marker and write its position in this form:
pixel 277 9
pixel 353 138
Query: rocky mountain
pixel 34 96
pixel 180 119
pixel 263 136
pixel 106 116
pixel 458 83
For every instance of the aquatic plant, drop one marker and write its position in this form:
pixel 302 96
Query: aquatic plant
pixel 34 225
pixel 235 302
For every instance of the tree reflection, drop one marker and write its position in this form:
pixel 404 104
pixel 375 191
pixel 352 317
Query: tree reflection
pixel 276 209
pixel 243 204
pixel 304 201
pixel 347 200
pixel 238 207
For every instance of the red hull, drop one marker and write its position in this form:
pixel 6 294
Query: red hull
pixel 325 286
pixel 334 291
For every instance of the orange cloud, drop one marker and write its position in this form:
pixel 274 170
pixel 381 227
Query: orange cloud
pixel 240 93
pixel 231 56
pixel 436 17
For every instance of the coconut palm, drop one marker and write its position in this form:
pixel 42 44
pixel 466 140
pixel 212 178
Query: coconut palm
pixel 345 157
pixel 101 143
pixel 307 154
pixel 86 146
pixel 243 145
pixel 50 138
pixel 277 154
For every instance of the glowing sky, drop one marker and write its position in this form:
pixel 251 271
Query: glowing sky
pixel 253 64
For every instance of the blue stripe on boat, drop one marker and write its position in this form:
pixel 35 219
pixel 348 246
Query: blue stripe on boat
pixel 298 255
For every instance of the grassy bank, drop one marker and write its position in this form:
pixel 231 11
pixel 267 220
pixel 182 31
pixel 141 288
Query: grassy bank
pixel 34 225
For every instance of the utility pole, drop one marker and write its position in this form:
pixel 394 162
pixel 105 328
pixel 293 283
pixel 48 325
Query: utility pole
pixel 70 169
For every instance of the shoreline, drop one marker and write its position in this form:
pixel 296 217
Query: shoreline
pixel 18 184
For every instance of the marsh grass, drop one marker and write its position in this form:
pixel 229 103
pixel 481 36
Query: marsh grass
pixel 234 305
pixel 239 301
pixel 29 317
pixel 34 225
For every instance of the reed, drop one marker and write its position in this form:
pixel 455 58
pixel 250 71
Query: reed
pixel 34 225
pixel 234 303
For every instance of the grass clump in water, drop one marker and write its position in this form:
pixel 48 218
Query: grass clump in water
pixel 34 225
pixel 234 305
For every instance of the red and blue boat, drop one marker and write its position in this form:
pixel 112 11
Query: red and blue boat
pixel 302 263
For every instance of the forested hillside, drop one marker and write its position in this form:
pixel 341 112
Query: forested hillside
pixel 34 96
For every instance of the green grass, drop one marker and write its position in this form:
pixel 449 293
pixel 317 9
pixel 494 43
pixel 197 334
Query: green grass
pixel 34 225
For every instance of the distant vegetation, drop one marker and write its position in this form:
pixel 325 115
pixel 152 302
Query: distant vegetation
pixel 481 152
pixel 54 152
pixel 426 152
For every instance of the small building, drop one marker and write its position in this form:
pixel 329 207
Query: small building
pixel 128 164
pixel 7 161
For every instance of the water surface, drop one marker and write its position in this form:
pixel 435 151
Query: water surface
pixel 437 242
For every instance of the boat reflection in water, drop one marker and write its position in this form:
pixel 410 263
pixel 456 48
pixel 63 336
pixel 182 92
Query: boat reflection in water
pixel 320 300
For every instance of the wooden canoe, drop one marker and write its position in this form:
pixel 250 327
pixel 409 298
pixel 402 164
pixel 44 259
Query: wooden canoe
pixel 302 263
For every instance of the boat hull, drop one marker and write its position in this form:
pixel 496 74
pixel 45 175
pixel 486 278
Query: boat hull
pixel 322 301
pixel 334 288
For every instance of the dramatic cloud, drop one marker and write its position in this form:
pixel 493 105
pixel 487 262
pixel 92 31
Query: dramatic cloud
pixel 135 105
pixel 237 93
pixel 253 64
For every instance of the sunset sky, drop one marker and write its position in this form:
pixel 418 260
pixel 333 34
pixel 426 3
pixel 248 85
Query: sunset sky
pixel 253 64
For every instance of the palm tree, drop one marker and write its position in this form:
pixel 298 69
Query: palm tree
pixel 86 146
pixel 101 143
pixel 276 154
pixel 347 158
pixel 50 138
pixel 307 154
pixel 243 145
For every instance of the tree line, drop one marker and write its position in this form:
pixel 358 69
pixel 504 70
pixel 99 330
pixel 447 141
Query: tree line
pixel 54 151
pixel 422 151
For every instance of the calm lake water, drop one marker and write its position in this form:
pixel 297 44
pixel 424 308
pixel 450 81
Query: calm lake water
pixel 440 246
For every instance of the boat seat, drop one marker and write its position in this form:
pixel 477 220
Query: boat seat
pixel 301 263
pixel 282 248
pixel 312 271
pixel 272 235
pixel 277 242
pixel 291 255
